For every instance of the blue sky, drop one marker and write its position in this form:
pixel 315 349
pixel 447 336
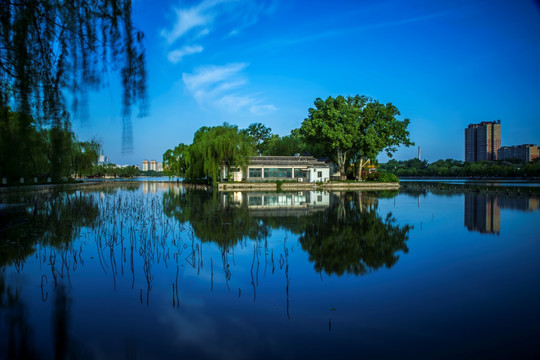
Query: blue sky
pixel 444 64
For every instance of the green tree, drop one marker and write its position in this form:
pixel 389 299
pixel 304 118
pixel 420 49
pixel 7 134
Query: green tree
pixel 175 162
pixel 284 146
pixel 85 156
pixel 335 123
pixel 355 129
pixel 22 148
pixel 215 147
pixel 379 131
pixel 260 135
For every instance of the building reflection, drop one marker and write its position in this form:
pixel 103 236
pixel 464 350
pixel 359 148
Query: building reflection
pixel 153 187
pixel 483 211
pixel 272 203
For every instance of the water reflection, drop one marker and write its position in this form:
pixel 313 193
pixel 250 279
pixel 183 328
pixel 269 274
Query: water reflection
pixel 352 237
pixel 17 335
pixel 119 272
pixel 153 187
pixel 213 218
pixel 51 219
pixel 145 241
pixel 482 201
pixel 483 210
pixel 290 203
pixel 341 232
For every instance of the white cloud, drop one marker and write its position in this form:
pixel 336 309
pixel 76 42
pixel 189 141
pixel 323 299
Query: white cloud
pixel 203 32
pixel 190 18
pixel 223 87
pixel 235 14
pixel 235 102
pixel 210 77
pixel 262 109
pixel 177 55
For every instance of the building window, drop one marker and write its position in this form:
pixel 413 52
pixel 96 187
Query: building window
pixel 299 173
pixel 255 172
pixel 255 200
pixel 319 174
pixel 278 173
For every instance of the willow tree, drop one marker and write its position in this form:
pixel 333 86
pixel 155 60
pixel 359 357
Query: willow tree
pixel 214 147
pixel 55 50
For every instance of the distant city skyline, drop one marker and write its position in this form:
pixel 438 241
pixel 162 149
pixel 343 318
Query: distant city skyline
pixel 443 64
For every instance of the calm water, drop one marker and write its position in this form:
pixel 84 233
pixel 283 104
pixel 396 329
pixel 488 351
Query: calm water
pixel 156 271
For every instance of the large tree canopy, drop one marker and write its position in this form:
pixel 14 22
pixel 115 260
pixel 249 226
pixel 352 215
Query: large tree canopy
pixel 216 146
pixel 379 131
pixel 53 48
pixel 212 148
pixel 354 128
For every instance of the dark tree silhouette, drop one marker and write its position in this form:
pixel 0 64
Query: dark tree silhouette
pixel 50 49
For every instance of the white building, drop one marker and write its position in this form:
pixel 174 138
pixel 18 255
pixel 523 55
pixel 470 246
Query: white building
pixel 296 168
pixel 145 166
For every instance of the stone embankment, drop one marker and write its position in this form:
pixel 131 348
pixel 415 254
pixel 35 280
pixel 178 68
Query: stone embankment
pixel 330 186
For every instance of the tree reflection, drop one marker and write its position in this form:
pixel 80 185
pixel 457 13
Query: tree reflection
pixel 213 220
pixel 52 219
pixel 17 335
pixel 61 317
pixel 351 236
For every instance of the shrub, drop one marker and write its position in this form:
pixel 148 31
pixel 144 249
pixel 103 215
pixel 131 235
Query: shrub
pixel 382 177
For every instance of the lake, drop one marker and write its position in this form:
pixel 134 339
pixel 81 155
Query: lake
pixel 154 270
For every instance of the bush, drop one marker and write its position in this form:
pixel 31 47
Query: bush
pixel 382 177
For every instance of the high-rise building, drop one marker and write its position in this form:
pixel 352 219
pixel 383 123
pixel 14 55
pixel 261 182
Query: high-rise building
pixel 525 153
pixel 153 165
pixel 482 141
pixel 103 160
pixel 145 165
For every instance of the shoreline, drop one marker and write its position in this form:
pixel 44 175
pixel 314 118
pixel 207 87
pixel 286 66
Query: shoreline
pixel 472 178
pixel 272 186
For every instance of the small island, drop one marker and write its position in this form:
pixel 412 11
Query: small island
pixel 338 141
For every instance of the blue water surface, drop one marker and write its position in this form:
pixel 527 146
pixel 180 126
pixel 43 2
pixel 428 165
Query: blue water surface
pixel 158 271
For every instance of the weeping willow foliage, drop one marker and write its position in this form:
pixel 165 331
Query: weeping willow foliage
pixel 216 146
pixel 53 51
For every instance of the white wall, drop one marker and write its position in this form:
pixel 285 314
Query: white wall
pixel 314 174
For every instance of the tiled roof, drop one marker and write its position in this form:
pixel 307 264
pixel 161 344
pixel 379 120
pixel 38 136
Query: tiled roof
pixel 308 161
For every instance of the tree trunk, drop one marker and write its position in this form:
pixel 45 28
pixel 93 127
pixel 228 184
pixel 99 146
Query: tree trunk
pixel 341 156
pixel 360 203
pixel 360 168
